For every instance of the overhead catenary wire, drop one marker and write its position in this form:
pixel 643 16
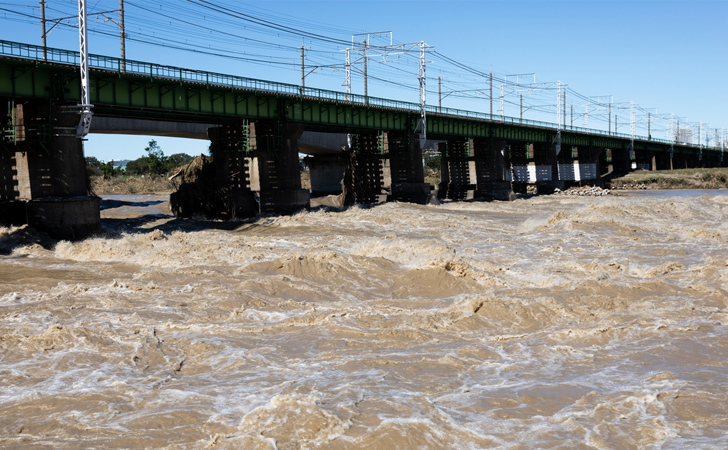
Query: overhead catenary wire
pixel 251 34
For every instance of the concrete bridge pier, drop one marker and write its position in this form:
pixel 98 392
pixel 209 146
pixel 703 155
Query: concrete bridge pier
pixel 406 169
pixel 579 166
pixel 568 170
pixel 547 168
pixel 44 172
pixel 326 173
pixel 587 162
pixel 455 173
pixel 275 144
pixel 490 169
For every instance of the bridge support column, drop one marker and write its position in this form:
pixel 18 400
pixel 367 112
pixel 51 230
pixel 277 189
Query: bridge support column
pixel 663 161
pixel 547 168
pixel 567 166
pixel 326 173
pixel 490 169
pixel 455 169
pixel 644 159
pixel 519 166
pixel 407 171
pixel 228 195
pixel 47 187
pixel 621 161
pixel 364 180
pixel 587 162
pixel 276 145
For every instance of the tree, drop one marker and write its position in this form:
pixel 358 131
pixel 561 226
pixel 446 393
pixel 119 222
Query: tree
pixel 432 161
pixel 93 166
pixel 109 170
pixel 157 162
pixel 138 166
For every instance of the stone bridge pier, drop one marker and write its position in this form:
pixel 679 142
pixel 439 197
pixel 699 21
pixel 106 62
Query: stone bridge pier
pixel 43 171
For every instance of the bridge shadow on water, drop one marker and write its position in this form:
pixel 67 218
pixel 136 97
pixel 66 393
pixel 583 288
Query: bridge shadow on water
pixel 111 203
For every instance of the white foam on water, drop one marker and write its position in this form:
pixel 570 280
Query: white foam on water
pixel 598 322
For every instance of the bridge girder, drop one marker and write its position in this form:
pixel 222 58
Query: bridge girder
pixel 124 93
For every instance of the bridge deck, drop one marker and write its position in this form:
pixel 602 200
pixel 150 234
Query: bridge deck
pixel 135 89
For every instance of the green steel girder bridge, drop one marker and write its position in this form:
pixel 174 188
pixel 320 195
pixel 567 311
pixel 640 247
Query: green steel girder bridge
pixel 254 127
pixel 134 89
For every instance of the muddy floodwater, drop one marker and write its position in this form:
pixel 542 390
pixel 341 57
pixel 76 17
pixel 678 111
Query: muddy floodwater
pixel 549 322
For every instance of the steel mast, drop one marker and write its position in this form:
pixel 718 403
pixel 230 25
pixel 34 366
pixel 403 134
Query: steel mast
pixel 84 125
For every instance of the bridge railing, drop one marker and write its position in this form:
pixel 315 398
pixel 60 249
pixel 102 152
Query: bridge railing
pixel 132 67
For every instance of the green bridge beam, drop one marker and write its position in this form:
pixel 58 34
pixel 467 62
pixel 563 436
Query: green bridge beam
pixel 145 90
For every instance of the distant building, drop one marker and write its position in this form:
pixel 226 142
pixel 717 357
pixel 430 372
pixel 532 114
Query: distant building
pixel 685 135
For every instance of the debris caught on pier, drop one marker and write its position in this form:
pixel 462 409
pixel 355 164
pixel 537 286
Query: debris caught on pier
pixel 586 191
pixel 200 192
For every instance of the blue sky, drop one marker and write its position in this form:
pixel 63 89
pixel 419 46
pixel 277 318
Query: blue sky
pixel 665 56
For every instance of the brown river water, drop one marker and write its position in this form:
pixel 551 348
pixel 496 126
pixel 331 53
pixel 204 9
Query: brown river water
pixel 548 322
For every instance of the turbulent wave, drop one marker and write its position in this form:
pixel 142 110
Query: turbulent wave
pixel 548 322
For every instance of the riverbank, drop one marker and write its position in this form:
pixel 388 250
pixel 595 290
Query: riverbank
pixel 715 178
pixel 149 184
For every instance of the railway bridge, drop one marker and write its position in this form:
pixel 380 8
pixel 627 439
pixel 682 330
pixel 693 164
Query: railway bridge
pixel 255 127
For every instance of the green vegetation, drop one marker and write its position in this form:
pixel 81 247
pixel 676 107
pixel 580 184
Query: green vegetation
pixel 432 167
pixel 144 175
pixel 156 163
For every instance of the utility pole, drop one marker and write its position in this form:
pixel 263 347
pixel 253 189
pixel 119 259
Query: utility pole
pixel 586 115
pixel 631 129
pixel 649 127
pixel 303 73
pixel 502 105
pixel 558 105
pixel 43 28
pixel 439 94
pixel 572 116
pixel 521 116
pixel 610 119
pixel 122 32
pixel 558 118
pixel 615 124
pixel 564 108
pixel 491 95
